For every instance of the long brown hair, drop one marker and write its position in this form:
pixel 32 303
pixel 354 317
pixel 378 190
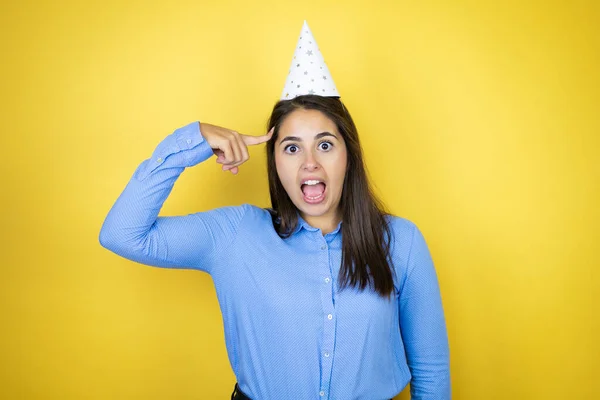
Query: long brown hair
pixel 365 232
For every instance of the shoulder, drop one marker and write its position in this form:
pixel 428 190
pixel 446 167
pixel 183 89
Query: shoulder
pixel 236 214
pixel 407 243
pixel 255 215
pixel 405 234
pixel 243 218
pixel 401 228
pixel 256 211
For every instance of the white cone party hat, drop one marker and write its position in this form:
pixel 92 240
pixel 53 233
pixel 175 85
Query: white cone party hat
pixel 308 72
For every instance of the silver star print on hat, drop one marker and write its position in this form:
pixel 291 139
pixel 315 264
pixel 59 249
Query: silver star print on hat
pixel 308 72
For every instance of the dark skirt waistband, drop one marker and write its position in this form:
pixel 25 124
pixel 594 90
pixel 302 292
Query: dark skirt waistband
pixel 238 394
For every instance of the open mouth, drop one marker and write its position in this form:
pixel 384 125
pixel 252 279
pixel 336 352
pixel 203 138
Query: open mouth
pixel 314 192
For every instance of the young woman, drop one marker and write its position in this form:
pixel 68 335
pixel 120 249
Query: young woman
pixel 324 295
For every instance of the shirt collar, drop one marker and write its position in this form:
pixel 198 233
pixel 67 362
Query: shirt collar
pixel 303 224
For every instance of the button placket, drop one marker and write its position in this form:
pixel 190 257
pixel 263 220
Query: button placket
pixel 329 326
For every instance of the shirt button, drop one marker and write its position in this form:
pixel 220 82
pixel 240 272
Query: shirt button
pixel 323 247
pixel 321 393
pixel 329 316
pixel 159 160
pixel 326 354
pixel 189 141
pixel 327 280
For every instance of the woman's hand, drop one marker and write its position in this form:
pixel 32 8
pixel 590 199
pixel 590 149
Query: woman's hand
pixel 230 147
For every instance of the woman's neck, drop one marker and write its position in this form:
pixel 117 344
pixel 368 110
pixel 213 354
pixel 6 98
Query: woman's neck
pixel 325 223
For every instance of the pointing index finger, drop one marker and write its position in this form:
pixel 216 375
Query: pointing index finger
pixel 252 140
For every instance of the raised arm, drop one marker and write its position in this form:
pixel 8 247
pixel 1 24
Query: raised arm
pixel 423 325
pixel 132 228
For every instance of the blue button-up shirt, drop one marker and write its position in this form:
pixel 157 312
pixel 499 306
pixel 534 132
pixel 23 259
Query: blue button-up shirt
pixel 290 332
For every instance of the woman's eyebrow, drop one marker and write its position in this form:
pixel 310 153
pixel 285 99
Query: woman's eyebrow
pixel 297 139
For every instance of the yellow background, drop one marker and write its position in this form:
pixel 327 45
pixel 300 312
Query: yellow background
pixel 480 123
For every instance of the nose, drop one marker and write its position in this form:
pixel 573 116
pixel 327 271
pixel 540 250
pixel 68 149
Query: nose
pixel 310 162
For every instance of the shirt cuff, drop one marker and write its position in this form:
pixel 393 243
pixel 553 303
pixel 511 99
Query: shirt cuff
pixel 185 147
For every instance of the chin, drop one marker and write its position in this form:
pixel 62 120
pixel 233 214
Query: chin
pixel 313 211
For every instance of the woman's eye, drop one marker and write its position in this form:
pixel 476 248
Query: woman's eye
pixel 327 146
pixel 291 146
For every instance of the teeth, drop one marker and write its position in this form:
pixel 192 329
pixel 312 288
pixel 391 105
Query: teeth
pixel 311 182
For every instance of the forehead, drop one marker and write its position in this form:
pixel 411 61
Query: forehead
pixel 306 124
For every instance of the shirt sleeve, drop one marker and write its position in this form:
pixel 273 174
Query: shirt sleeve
pixel 423 325
pixel 132 228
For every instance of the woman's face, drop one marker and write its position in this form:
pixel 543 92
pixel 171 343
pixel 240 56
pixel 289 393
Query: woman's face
pixel 310 155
